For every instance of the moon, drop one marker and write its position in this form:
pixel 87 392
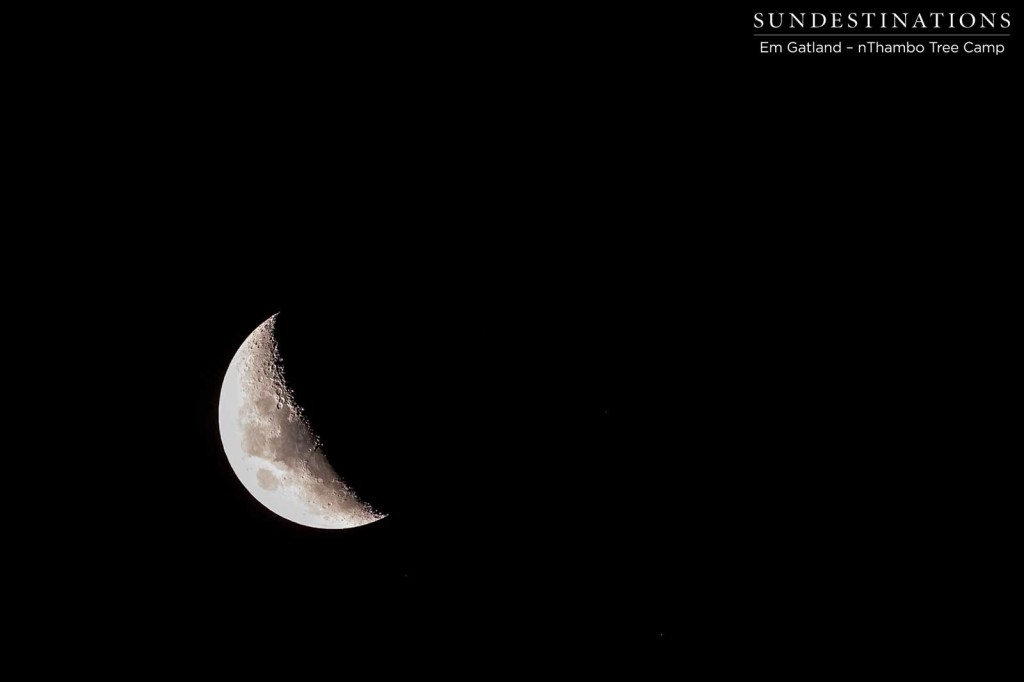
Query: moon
pixel 271 446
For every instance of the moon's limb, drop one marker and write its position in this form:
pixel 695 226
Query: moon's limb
pixel 272 448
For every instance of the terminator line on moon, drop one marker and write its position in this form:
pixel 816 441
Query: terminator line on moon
pixel 271 446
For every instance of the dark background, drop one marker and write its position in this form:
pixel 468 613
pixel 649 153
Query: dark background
pixel 537 438
pixel 638 337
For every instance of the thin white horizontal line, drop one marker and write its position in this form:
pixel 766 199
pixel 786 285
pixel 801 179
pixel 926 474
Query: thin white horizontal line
pixel 884 35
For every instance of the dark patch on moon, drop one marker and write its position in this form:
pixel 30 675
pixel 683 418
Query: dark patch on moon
pixel 267 480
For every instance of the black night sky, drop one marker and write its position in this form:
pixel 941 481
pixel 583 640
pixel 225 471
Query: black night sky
pixel 536 439
pixel 625 355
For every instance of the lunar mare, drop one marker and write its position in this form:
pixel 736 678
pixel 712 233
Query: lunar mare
pixel 271 446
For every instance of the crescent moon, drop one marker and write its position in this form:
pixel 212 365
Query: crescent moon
pixel 271 446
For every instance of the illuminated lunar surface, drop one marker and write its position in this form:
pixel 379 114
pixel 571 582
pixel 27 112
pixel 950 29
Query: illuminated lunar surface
pixel 272 448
